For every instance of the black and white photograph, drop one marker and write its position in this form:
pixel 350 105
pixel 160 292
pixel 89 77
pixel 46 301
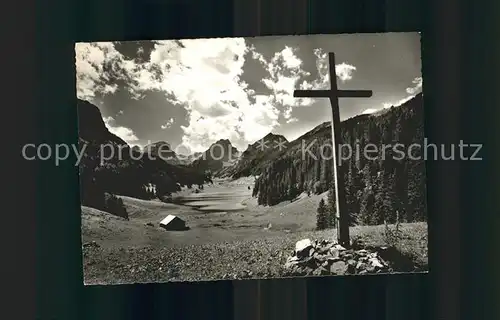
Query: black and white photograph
pixel 251 158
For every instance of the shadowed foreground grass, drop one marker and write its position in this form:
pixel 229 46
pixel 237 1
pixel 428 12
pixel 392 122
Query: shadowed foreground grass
pixel 256 258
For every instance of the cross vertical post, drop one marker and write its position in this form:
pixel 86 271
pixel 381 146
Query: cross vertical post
pixel 342 216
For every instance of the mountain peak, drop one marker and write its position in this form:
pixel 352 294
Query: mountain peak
pixel 268 139
pixel 225 143
pixel 91 126
pixel 159 144
pixel 270 135
pixel 257 156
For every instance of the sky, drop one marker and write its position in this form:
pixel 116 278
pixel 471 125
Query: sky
pixel 191 93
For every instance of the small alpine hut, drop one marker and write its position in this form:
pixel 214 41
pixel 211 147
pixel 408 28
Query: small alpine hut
pixel 173 223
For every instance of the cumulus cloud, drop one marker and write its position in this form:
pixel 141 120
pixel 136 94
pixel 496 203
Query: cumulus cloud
pixel 412 91
pixel 405 99
pixel 417 86
pixel 94 62
pixel 344 71
pixel 167 124
pixel 286 74
pixel 284 70
pixel 99 66
pixel 369 111
pixel 210 88
pixel 287 114
pixel 125 133
pixel 204 77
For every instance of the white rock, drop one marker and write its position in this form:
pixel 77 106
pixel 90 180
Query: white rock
pixel 302 245
pixel 334 254
pixel 339 247
pixel 376 263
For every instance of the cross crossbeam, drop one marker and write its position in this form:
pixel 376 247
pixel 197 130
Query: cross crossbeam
pixel 334 94
pixel 328 94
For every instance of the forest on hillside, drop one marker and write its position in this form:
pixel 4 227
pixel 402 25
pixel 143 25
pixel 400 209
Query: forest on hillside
pixel 376 190
pixel 125 171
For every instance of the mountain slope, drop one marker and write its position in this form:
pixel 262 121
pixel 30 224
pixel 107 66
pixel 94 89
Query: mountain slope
pixel 163 150
pixel 110 165
pixel 256 157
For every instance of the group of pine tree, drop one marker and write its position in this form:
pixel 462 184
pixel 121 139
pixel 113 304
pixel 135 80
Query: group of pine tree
pixel 378 188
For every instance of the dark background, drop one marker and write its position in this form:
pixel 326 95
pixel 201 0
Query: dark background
pixel 459 68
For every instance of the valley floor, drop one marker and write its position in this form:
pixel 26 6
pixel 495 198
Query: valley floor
pixel 253 242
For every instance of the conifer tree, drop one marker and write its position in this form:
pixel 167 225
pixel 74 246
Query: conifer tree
pixel 331 206
pixel 322 216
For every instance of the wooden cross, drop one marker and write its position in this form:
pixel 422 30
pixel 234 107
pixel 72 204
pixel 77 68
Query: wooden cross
pixel 334 94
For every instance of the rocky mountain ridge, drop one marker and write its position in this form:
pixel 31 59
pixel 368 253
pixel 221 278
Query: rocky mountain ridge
pixel 219 155
pixel 126 172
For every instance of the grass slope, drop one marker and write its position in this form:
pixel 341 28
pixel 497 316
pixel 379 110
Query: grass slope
pixel 254 258
pixel 222 245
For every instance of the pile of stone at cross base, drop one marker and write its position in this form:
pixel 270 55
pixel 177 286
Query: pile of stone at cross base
pixel 324 257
